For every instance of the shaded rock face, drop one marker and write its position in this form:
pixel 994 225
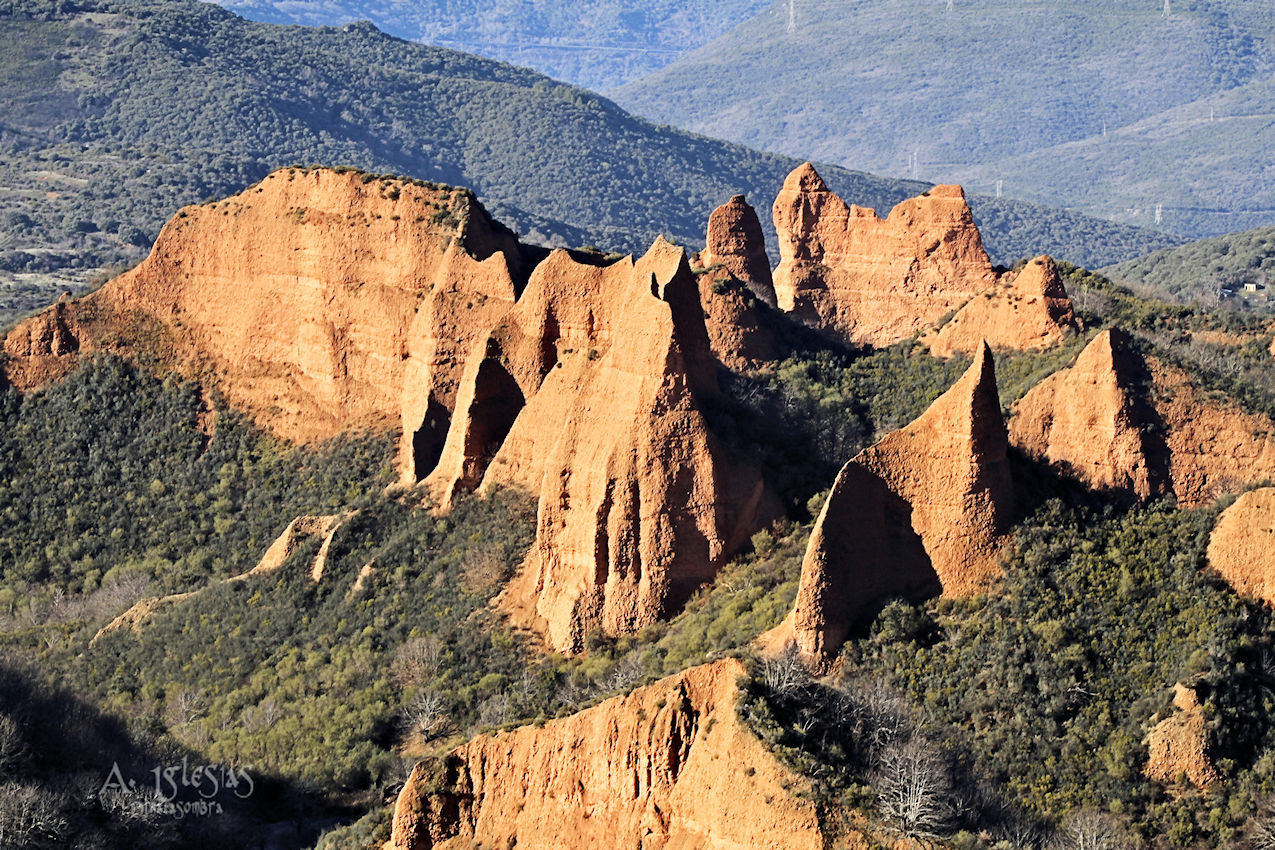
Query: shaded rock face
pixel 1028 310
pixel 296 297
pixel 587 393
pixel 668 766
pixel 1093 421
pixel 1178 745
pixel 921 512
pixel 739 338
pixel 736 242
pixel 1125 423
pixel 1242 545
pixel 870 281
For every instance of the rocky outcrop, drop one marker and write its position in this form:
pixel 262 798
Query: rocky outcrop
pixel 1124 422
pixel 1178 745
pixel 296 298
pixel 1242 545
pixel 920 513
pixel 668 766
pixel 137 616
pixel 587 393
pixel 1093 421
pixel 1027 310
pixel 736 243
pixel 871 281
pixel 324 528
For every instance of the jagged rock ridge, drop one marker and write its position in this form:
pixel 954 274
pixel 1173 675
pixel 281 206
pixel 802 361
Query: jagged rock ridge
pixel 668 766
pixel 871 281
pixel 587 393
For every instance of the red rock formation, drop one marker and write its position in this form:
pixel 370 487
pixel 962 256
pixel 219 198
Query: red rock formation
pixel 1242 545
pixel 921 512
pixel 735 241
pixel 668 766
pixel 294 297
pixel 1120 421
pixel 1092 420
pixel 870 281
pixel 323 528
pixel 739 339
pixel 1178 745
pixel 1029 310
pixel 586 393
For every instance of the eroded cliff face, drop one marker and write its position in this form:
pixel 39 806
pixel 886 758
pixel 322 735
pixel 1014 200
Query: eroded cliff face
pixel 872 281
pixel 668 766
pixel 587 393
pixel 1130 424
pixel 1242 545
pixel 1026 310
pixel 295 297
pixel 922 512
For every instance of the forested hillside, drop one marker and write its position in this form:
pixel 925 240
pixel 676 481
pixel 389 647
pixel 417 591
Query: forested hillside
pixel 1236 270
pixel 124 110
pixel 1102 106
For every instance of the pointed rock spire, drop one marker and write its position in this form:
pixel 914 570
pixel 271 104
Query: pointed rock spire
pixel 735 240
pixel 921 512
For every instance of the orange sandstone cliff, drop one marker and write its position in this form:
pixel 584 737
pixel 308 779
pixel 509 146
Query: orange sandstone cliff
pixel 921 512
pixel 297 297
pixel 668 766
pixel 1028 310
pixel 1242 545
pixel 588 393
pixel 873 281
pixel 1122 421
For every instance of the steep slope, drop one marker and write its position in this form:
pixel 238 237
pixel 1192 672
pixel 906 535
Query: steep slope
pixel 872 281
pixel 124 110
pixel 921 512
pixel 668 766
pixel 595 44
pixel 1240 547
pixel 587 394
pixel 1125 422
pixel 1028 310
pixel 296 297
pixel 795 77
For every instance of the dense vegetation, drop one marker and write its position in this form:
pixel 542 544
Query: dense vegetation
pixel 597 44
pixel 1108 109
pixel 1024 713
pixel 120 111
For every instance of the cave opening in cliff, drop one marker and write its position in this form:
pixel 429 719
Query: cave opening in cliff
pixel 497 402
pixel 428 441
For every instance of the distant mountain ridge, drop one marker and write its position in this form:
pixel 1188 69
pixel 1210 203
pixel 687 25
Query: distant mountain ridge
pixel 1074 102
pixel 596 44
pixel 124 110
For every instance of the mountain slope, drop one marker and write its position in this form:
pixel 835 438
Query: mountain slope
pixel 124 110
pixel 595 44
pixel 884 85
pixel 1198 271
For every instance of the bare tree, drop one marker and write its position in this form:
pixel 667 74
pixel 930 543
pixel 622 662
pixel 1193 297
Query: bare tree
pixel 1090 829
pixel 13 745
pixel 425 713
pixel 785 672
pixel 186 706
pixel 416 661
pixel 914 789
pixel 29 817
